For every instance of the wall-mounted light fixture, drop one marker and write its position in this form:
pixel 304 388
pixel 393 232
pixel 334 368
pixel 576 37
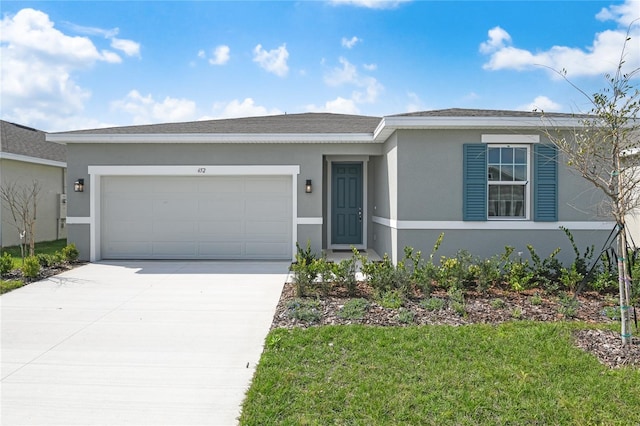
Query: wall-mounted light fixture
pixel 307 187
pixel 78 186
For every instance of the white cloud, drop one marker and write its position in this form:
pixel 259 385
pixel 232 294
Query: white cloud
pixel 220 55
pixel 370 67
pixel 36 70
pixel 348 75
pixel 599 58
pixel 349 43
pixel 371 4
pixel 201 54
pixel 497 40
pixel 129 47
pixel 146 110
pixel 541 103
pixel 246 108
pixel 339 105
pixel 273 61
pixel 624 14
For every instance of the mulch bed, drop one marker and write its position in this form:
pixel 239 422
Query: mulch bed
pixel 481 308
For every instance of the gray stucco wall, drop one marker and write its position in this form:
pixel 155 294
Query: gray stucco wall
pixel 310 158
pixel 435 157
pixel 51 181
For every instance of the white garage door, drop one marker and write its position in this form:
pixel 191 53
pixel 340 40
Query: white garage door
pixel 204 217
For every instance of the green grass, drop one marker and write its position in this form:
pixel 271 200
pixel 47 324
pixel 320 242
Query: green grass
pixel 8 285
pixel 46 247
pixel 514 373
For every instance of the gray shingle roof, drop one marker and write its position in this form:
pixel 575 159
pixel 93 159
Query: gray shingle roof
pixel 23 140
pixel 286 123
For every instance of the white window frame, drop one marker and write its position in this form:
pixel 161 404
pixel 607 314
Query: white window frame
pixel 526 183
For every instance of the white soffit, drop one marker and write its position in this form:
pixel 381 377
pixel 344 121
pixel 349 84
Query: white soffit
pixel 506 138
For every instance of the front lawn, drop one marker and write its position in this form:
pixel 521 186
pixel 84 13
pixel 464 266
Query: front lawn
pixel 45 247
pixel 512 373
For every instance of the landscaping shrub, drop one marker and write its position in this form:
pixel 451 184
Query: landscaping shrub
pixel 45 260
pixel 391 299
pixel 304 310
pixel 324 271
pixel 303 276
pixel 433 304
pixel 354 309
pixel 31 267
pixel 384 276
pixel 568 306
pixel 345 273
pixel 406 316
pixel 70 253
pixel 6 263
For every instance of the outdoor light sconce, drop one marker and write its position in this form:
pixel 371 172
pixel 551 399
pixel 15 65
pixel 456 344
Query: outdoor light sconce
pixel 78 186
pixel 307 187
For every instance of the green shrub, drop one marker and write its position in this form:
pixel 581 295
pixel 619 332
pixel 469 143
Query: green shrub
pixel 612 312
pixel 391 299
pixel 31 267
pixel 6 263
pixel 70 253
pixel 384 276
pixel 486 273
pixel 519 275
pixel 303 276
pixel 45 260
pixel 354 309
pixel 498 303
pixel 456 301
pixel 324 270
pixel 345 274
pixel 304 310
pixel 570 278
pixel 406 316
pixel 433 304
pixel 536 299
pixel 545 273
pixel 582 260
pixel 517 313
pixel 568 306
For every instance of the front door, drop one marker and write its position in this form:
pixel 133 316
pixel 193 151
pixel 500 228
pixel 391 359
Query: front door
pixel 346 203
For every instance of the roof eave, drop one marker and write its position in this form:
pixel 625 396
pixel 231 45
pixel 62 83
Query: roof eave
pixel 67 138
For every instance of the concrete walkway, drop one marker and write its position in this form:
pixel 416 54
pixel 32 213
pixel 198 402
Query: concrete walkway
pixel 136 343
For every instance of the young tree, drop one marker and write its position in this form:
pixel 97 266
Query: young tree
pixel 605 150
pixel 22 202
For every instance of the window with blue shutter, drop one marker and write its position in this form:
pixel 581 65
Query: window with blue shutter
pixel 496 187
pixel 545 183
pixel 474 203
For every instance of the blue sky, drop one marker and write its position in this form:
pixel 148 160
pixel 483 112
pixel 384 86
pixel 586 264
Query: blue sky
pixel 84 64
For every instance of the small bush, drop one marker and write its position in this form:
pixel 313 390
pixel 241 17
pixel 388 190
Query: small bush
pixel 568 306
pixel 45 260
pixel 456 301
pixel 70 253
pixel 345 274
pixel 354 309
pixel 6 263
pixel 433 304
pixel 324 270
pixel 406 316
pixel 303 276
pixel 612 312
pixel 304 310
pixel 517 313
pixel 31 267
pixel 390 299
pixel 536 299
pixel 498 303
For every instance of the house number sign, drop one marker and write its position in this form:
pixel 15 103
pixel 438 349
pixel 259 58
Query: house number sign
pixel 202 170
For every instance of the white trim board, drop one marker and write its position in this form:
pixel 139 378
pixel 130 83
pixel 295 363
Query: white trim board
pixel 310 221
pixel 515 225
pixel 32 160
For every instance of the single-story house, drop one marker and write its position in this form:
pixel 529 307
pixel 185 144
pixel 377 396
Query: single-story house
pixel 250 188
pixel 26 157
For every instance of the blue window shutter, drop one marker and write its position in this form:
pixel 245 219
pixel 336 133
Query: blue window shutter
pixel 545 183
pixel 474 203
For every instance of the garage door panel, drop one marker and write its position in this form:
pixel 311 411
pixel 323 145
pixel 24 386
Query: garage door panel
pixel 174 249
pixel 221 217
pixel 222 250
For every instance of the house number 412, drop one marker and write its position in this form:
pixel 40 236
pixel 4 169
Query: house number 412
pixel 202 170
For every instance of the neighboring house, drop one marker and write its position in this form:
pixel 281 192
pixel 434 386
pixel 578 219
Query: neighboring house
pixel 250 188
pixel 25 157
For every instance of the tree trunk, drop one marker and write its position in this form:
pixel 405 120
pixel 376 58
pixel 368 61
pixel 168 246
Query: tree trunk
pixel 624 282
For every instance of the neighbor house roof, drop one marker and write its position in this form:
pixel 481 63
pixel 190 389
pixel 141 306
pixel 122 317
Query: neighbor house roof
pixel 22 143
pixel 316 127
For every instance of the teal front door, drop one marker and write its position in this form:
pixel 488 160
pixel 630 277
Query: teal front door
pixel 346 203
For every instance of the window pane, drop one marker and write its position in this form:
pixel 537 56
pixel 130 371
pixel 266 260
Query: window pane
pixel 520 173
pixel 506 173
pixel 507 155
pixel 520 155
pixel 494 173
pixel 506 201
pixel 493 156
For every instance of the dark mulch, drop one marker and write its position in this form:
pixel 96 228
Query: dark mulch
pixel 481 308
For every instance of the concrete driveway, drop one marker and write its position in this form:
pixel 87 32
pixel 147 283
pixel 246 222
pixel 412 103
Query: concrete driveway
pixel 145 342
